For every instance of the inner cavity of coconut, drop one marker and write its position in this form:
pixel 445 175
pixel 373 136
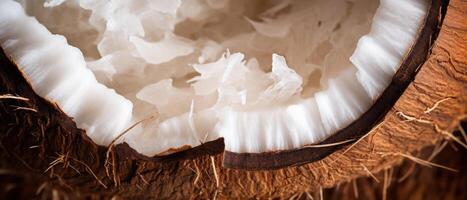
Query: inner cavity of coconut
pixel 266 75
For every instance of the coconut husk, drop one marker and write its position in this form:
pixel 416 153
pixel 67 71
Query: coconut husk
pixel 44 154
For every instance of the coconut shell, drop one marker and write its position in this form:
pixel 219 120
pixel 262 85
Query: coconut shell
pixel 44 154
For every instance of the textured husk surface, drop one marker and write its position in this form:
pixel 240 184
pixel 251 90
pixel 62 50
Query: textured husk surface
pixel 43 154
pixel 408 180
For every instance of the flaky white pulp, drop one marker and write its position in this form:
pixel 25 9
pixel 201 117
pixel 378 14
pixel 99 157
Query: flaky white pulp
pixel 264 75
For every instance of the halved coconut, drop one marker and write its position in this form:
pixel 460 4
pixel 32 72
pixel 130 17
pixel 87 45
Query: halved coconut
pixel 270 78
pixel 44 154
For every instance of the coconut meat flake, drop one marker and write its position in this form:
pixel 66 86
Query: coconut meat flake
pixel 264 75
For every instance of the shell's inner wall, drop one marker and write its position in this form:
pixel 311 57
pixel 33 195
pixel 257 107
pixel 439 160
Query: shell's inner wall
pixel 266 75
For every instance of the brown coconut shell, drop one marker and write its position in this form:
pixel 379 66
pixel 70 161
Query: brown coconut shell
pixel 44 154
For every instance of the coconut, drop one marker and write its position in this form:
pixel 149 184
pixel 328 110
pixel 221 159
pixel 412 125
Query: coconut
pixel 190 85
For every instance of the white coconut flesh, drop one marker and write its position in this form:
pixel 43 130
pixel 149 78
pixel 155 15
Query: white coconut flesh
pixel 264 75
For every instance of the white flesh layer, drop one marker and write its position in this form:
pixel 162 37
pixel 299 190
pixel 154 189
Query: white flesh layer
pixel 168 58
